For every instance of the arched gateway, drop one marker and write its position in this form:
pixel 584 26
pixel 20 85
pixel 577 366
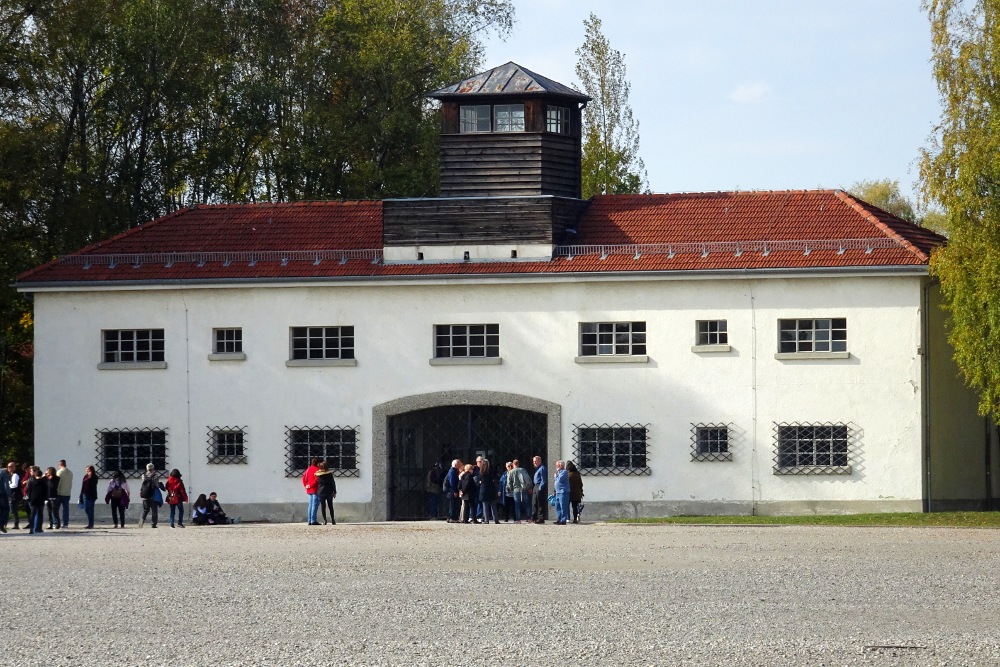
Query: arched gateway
pixel 411 433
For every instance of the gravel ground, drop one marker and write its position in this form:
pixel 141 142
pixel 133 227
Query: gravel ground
pixel 520 595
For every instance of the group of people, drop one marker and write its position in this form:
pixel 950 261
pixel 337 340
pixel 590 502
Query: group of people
pixel 475 493
pixel 27 485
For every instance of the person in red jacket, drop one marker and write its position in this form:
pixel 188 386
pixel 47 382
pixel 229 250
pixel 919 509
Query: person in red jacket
pixel 309 481
pixel 176 497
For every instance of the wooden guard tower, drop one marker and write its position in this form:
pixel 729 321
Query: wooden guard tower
pixel 510 173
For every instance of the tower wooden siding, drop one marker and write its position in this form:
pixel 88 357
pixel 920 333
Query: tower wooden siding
pixel 533 162
pixel 514 220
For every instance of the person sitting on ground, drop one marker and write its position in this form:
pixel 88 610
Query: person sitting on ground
pixel 199 511
pixel 215 511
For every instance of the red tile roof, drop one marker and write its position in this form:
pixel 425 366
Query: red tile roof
pixel 617 233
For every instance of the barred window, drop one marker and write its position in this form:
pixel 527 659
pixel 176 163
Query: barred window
pixel 611 450
pixel 323 342
pixel 466 340
pixel 812 335
pixel 557 119
pixel 612 338
pixel 812 449
pixel 475 118
pixel 712 332
pixel 710 442
pixel 129 450
pixel 228 341
pixel 227 444
pixel 125 346
pixel 338 446
pixel 508 118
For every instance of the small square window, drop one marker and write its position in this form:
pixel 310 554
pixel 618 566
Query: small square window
pixel 557 119
pixel 710 442
pixel 228 341
pixel 712 332
pixel 227 444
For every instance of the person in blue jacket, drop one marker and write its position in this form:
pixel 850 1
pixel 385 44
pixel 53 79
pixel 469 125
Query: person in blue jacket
pixel 451 488
pixel 561 487
pixel 540 499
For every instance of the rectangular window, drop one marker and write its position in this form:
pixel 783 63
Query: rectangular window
pixel 466 340
pixel 227 445
pixel 228 341
pixel 475 118
pixel 508 118
pixel 612 338
pixel 712 332
pixel 557 119
pixel 337 446
pixel 710 442
pixel 812 449
pixel 812 335
pixel 611 450
pixel 322 342
pixel 129 450
pixel 129 346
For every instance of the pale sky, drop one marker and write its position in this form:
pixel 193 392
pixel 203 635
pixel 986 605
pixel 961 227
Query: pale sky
pixel 754 94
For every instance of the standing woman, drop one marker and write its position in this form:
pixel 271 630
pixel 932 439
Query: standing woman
pixel 118 496
pixel 37 493
pixel 52 484
pixel 326 489
pixel 489 487
pixel 88 494
pixel 575 490
pixel 176 497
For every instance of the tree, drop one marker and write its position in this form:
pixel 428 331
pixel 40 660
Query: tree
pixel 961 171
pixel 611 162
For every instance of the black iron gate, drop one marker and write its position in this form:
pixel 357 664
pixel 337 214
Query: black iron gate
pixel 419 439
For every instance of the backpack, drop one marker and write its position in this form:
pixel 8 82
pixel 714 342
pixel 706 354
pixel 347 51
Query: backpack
pixel 117 492
pixel 146 490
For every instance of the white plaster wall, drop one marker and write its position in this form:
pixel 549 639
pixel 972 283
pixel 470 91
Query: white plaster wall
pixel 877 389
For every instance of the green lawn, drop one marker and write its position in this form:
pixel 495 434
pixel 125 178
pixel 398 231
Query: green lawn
pixel 953 519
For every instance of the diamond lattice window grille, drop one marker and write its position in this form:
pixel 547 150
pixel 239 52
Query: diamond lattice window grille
pixel 337 445
pixel 227 444
pixel 615 449
pixel 815 449
pixel 711 442
pixel 129 450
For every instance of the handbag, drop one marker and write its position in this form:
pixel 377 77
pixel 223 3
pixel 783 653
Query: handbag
pixel 552 500
pixel 157 497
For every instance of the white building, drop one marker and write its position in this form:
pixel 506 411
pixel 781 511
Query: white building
pixel 747 352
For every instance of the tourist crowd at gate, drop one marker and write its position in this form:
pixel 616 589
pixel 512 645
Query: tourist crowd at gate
pixel 485 493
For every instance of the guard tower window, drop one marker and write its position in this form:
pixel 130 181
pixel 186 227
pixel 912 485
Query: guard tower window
pixel 476 118
pixel 508 118
pixel 557 119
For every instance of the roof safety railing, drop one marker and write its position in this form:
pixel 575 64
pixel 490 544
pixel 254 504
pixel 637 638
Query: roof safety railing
pixel 168 259
pixel 735 248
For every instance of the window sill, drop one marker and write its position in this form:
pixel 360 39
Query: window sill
pixel 613 359
pixel 227 356
pixel 466 361
pixel 797 356
pixel 711 349
pixel 319 363
pixel 131 365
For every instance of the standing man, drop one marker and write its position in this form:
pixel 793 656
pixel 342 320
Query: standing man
pixel 13 492
pixel 65 476
pixel 451 487
pixel 540 498
pixel 561 487
pixel 4 499
pixel 519 487
pixel 147 491
pixel 309 481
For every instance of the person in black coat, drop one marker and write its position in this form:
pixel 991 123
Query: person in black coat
pixel 37 493
pixel 489 491
pixel 326 489
pixel 468 489
pixel 52 502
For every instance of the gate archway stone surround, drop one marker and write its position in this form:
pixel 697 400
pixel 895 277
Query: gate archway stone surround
pixel 379 508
